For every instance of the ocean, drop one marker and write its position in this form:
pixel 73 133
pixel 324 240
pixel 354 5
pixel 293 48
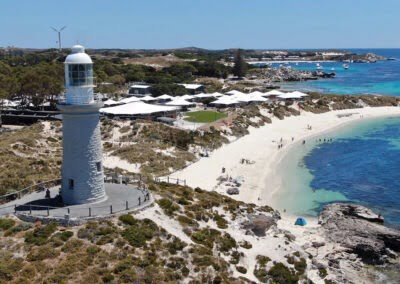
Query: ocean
pixel 381 78
pixel 360 164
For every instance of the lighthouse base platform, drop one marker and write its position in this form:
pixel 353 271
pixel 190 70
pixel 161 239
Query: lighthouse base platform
pixel 121 199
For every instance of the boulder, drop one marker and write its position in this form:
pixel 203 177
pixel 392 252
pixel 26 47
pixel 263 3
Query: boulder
pixel 259 224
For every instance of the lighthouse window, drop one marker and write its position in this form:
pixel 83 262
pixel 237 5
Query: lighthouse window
pixel 98 166
pixel 71 183
pixel 80 74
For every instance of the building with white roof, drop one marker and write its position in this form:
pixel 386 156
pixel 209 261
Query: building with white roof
pixel 139 109
pixel 139 90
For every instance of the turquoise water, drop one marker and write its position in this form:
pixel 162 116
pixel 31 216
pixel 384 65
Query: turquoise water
pixel 361 165
pixel 382 77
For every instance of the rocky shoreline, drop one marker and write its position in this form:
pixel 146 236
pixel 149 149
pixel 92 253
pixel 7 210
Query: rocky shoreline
pixel 362 240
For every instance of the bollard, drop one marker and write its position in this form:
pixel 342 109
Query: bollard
pixel 90 212
pixel 168 179
pixel 48 212
pixel 68 211
pixel 177 181
pixel 111 209
pixel 139 200
pixel 184 182
pixel 126 203
pixel 15 208
pixel 30 209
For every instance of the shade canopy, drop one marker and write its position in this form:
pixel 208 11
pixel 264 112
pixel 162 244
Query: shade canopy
pixel 165 97
pixel 179 102
pixel 129 100
pixel 273 93
pixel 147 99
pixel 136 108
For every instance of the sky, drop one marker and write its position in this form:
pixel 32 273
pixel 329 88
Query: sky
pixel 212 24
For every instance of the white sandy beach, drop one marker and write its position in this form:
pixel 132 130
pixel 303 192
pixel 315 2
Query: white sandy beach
pixel 261 179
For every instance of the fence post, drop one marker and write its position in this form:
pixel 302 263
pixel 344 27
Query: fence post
pixel 111 209
pixel 90 212
pixel 15 208
pixel 126 203
pixel 168 179
pixel 30 209
pixel 177 181
pixel 48 212
pixel 184 182
pixel 68 211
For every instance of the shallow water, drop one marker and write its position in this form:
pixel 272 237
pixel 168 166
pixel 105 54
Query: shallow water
pixel 361 164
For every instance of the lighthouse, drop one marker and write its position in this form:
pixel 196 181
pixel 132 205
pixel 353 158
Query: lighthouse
pixel 82 168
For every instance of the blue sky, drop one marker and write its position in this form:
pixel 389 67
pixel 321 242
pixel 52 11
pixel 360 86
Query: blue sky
pixel 211 24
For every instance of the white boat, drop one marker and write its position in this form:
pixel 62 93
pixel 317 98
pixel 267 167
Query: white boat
pixel 320 67
pixel 333 69
pixel 346 66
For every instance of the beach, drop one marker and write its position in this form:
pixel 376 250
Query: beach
pixel 261 177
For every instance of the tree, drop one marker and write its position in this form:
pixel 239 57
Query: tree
pixel 240 67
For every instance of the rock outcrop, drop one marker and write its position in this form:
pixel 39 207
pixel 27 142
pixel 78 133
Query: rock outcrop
pixel 360 230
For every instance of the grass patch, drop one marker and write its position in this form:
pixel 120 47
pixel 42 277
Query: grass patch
pixel 204 116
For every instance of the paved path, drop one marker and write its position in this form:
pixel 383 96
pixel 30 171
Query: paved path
pixel 119 196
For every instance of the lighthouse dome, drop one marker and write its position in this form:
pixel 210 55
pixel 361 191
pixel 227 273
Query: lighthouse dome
pixel 78 56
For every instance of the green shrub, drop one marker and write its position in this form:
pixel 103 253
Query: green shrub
pixel 40 235
pixel 221 222
pixel 185 221
pixel 322 272
pixel 168 206
pixel 137 235
pixel 206 237
pixel 42 252
pixel 280 274
pixel 300 265
pixel 18 228
pixel 6 224
pixel 73 245
pixel 226 243
pixel 246 245
pixel 241 269
pixel 64 236
pixel 262 260
pixel 127 219
pixel 175 246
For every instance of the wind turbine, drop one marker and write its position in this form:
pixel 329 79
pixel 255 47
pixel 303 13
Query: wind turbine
pixel 59 35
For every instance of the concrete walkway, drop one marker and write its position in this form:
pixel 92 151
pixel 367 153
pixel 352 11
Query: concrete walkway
pixel 120 198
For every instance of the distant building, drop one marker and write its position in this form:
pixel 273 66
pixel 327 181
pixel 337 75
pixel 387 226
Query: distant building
pixel 194 88
pixel 139 90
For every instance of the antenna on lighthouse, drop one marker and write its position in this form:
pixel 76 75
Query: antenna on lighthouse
pixel 59 35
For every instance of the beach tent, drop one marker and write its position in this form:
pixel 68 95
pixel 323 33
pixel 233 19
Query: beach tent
pixel 129 100
pixel 300 221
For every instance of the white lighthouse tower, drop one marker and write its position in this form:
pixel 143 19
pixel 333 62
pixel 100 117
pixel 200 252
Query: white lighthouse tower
pixel 82 169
